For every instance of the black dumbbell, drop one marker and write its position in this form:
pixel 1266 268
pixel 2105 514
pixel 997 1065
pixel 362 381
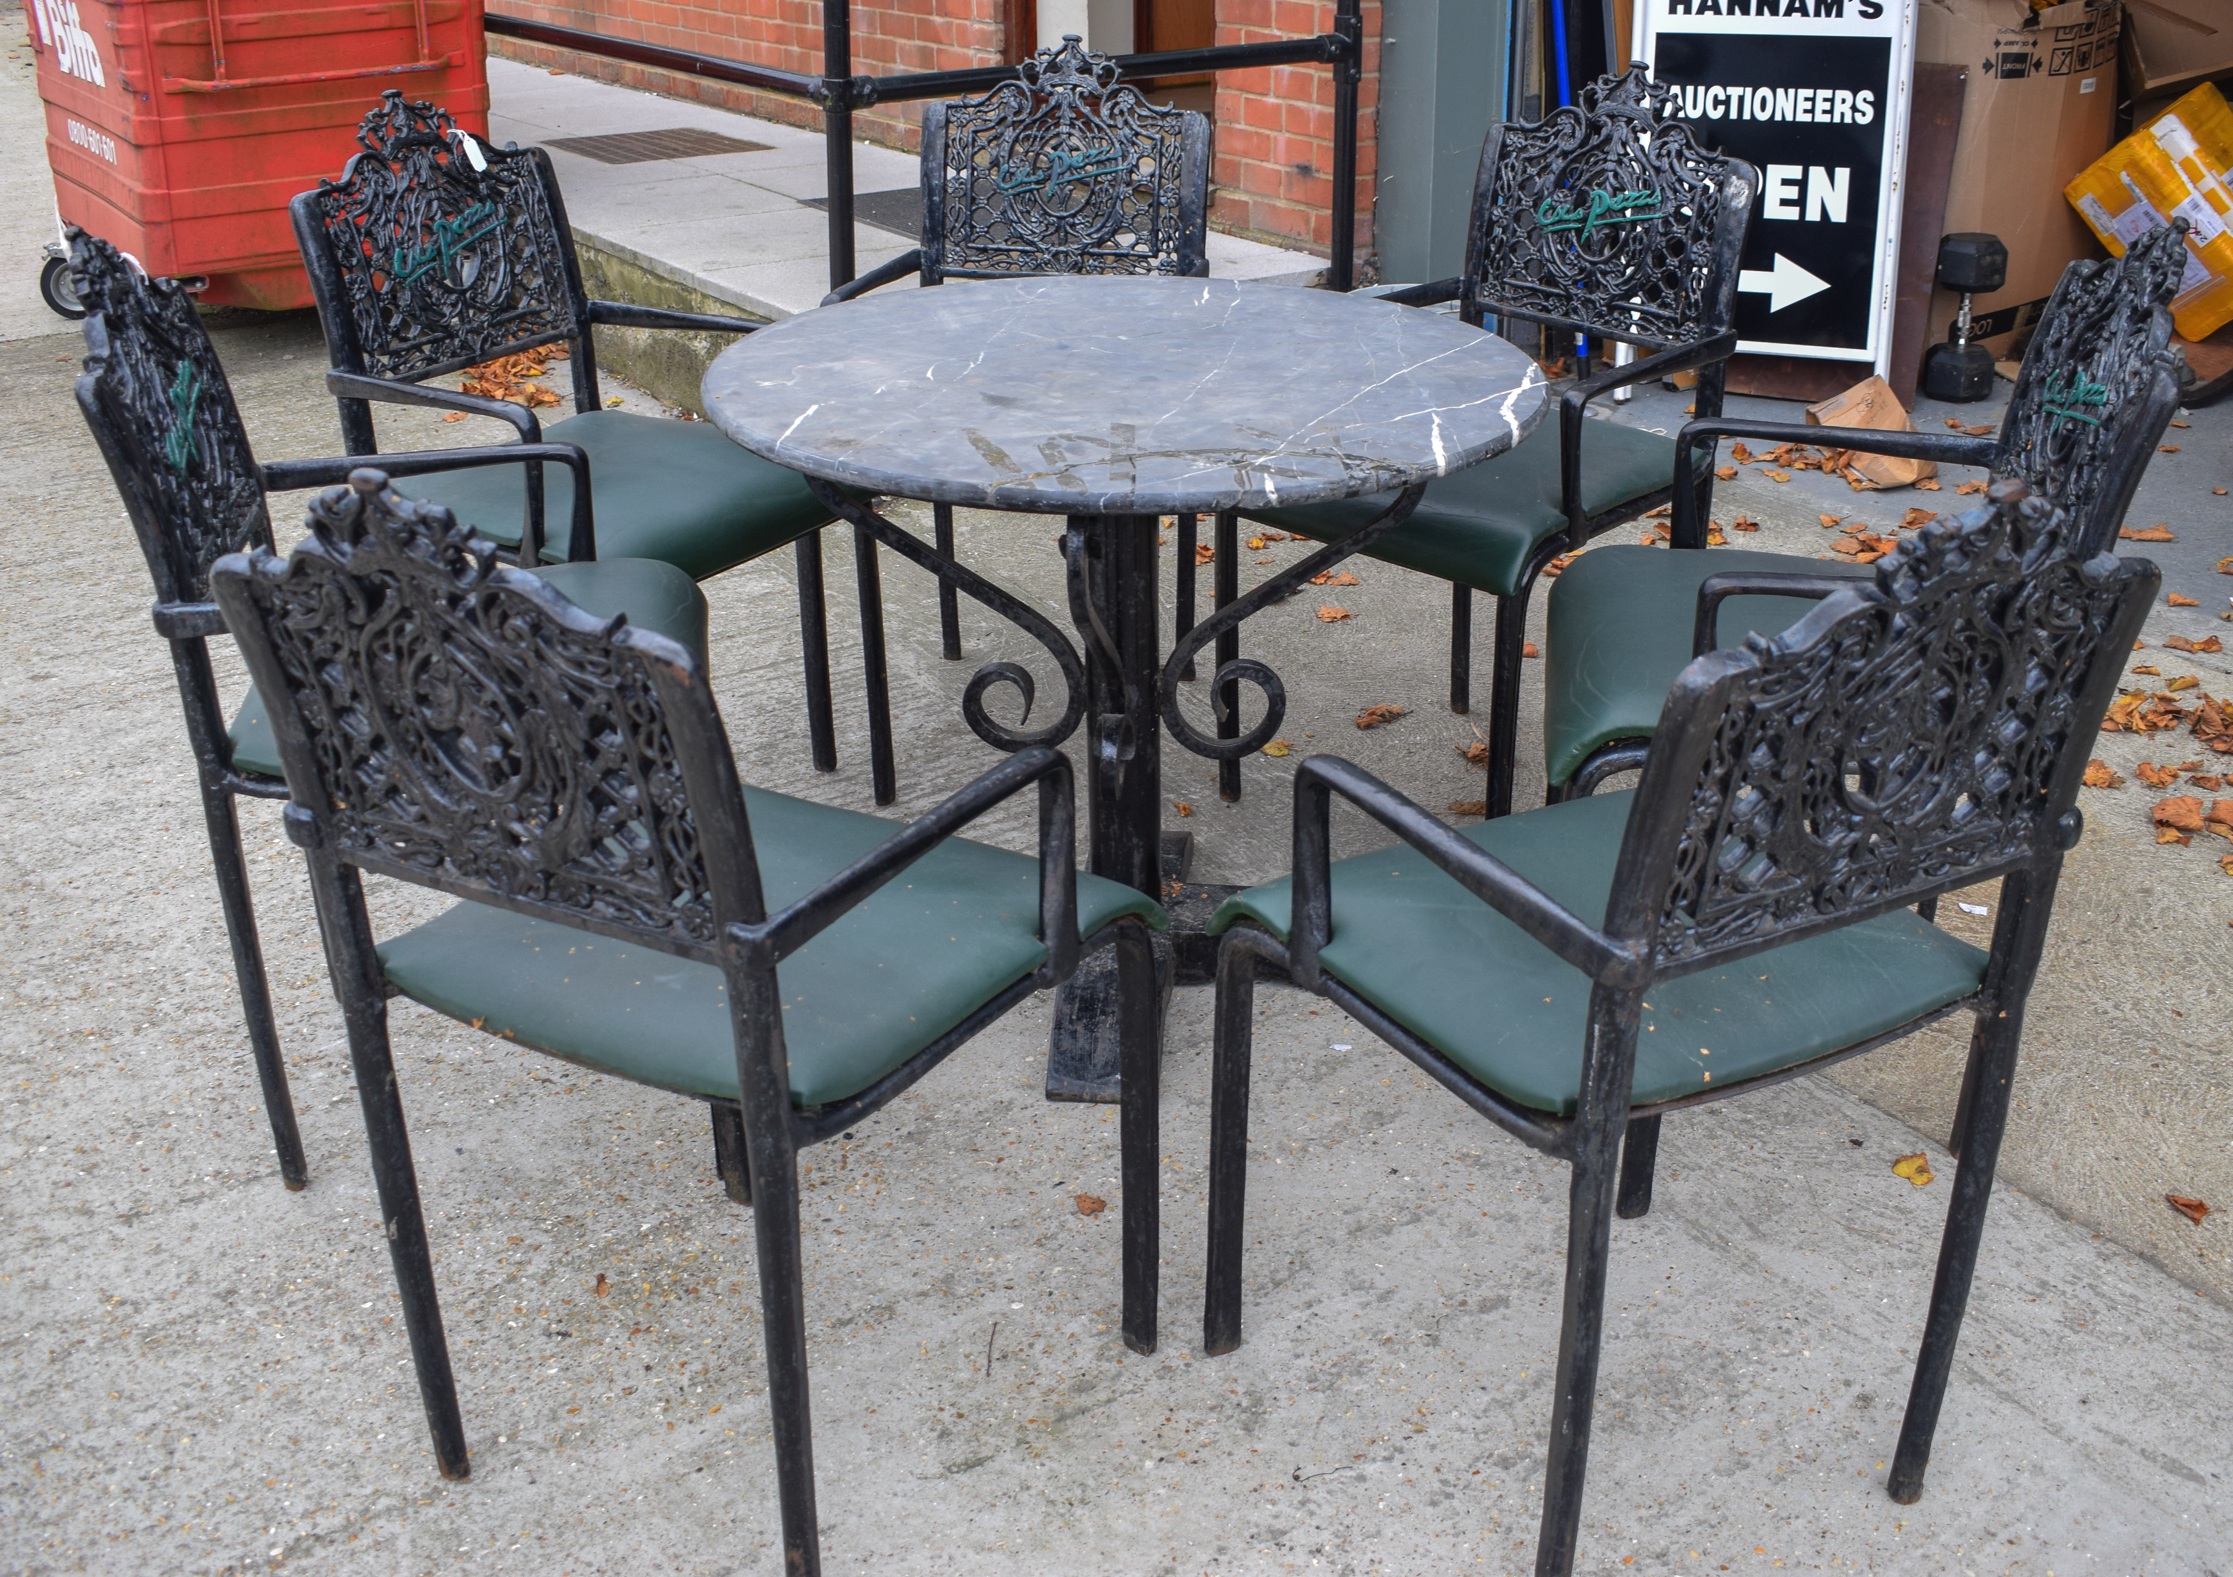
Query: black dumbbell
pixel 1974 264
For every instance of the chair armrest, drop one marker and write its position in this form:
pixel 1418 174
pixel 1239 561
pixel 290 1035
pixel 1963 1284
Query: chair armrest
pixel 1474 868
pixel 283 475
pixel 785 933
pixel 908 262
pixel 1433 293
pixel 1573 404
pixel 626 314
pixel 392 391
pixel 1717 589
pixel 1686 527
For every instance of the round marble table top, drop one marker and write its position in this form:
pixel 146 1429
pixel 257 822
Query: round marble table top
pixel 1067 395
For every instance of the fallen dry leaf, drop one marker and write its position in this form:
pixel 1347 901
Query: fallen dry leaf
pixel 1204 553
pixel 1726 473
pixel 2220 818
pixel 2182 682
pixel 2098 775
pixel 2147 668
pixel 1917 517
pixel 1329 614
pixel 1530 649
pixel 2167 448
pixel 509 378
pixel 2225 566
pixel 1980 430
pixel 1469 807
pixel 1915 1168
pixel 1557 566
pixel 2225 864
pixel 2213 724
pixel 1744 523
pixel 1182 807
pixel 1335 577
pixel 1661 513
pixel 2137 712
pixel 2208 643
pixel 455 416
pixel 2154 776
pixel 2172 599
pixel 1831 522
pixel 1255 544
pixel 2181 813
pixel 603 1286
pixel 1778 476
pixel 2175 422
pixel 1714 538
pixel 1382 712
pixel 2193 1209
pixel 1279 747
pixel 1090 1204
pixel 1927 485
pixel 1969 487
pixel 2155 533
pixel 1739 453
pixel 2172 835
pixel 2206 780
pixel 2217 492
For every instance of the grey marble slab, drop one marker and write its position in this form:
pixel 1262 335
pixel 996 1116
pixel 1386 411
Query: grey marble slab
pixel 1123 396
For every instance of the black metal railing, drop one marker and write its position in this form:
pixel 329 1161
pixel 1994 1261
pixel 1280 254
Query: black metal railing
pixel 839 92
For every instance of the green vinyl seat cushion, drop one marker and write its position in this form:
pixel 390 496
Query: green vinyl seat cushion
pixel 1619 629
pixel 1470 983
pixel 655 596
pixel 661 489
pixel 1480 526
pixel 929 948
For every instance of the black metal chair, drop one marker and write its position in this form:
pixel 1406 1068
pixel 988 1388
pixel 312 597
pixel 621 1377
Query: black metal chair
pixel 2098 384
pixel 1912 734
pixel 436 251
pixel 1605 220
pixel 1064 170
pixel 164 417
pixel 449 721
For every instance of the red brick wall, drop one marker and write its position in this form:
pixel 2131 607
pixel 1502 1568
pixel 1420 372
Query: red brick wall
pixel 1275 129
pixel 888 36
pixel 1273 176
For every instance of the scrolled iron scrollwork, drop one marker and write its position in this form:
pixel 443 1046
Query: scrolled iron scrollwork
pixel 2100 347
pixel 160 398
pixel 474 729
pixel 1067 171
pixel 1899 735
pixel 1028 619
pixel 1247 670
pixel 447 247
pixel 1605 212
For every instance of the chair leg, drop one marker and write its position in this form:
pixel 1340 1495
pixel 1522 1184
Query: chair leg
pixel 1504 699
pixel 1140 1030
pixel 949 600
pixel 1639 1152
pixel 731 1162
pixel 222 815
pixel 814 640
pixel 1188 534
pixel 1234 1029
pixel 364 1010
pixel 883 774
pixel 1228 581
pixel 1461 649
pixel 775 1225
pixel 1589 1234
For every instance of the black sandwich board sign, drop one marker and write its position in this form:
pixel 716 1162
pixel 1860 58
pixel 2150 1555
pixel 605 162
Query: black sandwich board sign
pixel 1814 93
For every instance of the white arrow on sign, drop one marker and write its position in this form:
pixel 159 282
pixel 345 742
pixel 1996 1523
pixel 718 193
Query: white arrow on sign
pixel 1783 284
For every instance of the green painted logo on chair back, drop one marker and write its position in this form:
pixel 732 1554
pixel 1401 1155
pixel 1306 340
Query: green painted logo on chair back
pixel 1603 208
pixel 2070 397
pixel 185 398
pixel 450 238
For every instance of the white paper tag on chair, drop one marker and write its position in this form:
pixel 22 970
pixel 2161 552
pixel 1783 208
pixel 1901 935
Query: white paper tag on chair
pixel 470 146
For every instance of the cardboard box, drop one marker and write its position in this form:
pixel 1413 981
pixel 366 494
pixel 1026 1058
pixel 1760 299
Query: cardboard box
pixel 2039 106
pixel 2170 45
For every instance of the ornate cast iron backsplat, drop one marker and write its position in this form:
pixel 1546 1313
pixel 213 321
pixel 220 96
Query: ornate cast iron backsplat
pixel 427 763
pixel 2101 346
pixel 1872 752
pixel 448 250
pixel 1606 214
pixel 162 400
pixel 1065 171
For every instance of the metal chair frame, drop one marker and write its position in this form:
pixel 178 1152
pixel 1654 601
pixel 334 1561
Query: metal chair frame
pixel 2097 388
pixel 162 412
pixel 1049 173
pixel 449 721
pixel 436 251
pixel 1949 766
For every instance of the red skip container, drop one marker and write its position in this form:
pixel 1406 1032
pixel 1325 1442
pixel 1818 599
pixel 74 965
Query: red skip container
pixel 178 129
